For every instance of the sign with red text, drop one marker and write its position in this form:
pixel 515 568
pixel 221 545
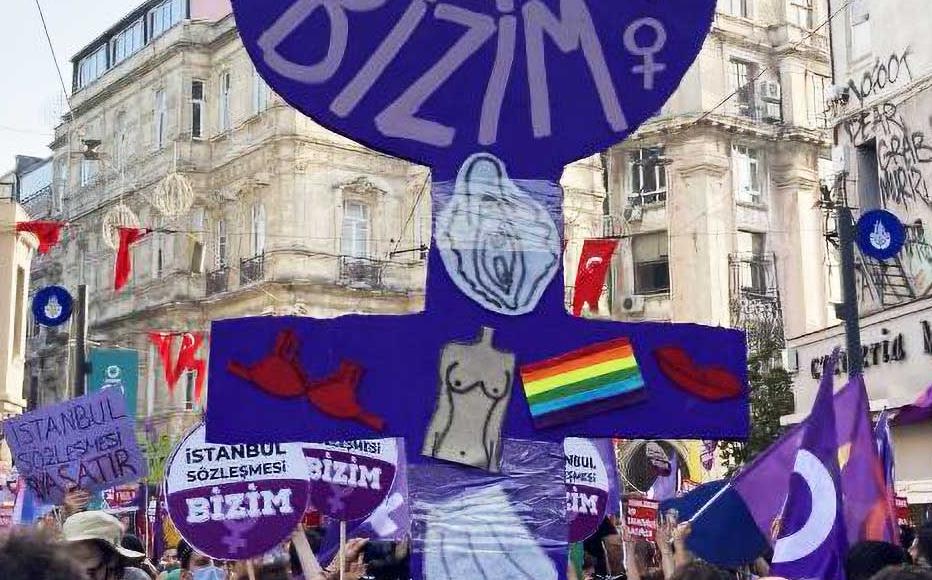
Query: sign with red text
pixel 902 511
pixel 234 502
pixel 641 517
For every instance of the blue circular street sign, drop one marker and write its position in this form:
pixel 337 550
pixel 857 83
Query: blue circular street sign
pixel 881 235
pixel 52 306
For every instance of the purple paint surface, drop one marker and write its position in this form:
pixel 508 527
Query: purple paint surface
pixel 88 442
pixel 348 485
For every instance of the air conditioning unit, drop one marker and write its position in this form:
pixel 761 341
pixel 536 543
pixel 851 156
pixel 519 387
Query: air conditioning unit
pixel 769 90
pixel 772 113
pixel 632 304
pixel 633 213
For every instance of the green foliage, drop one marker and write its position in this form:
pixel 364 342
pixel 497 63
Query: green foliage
pixel 771 398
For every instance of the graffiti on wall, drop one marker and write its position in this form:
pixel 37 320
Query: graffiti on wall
pixel 902 151
pixel 885 73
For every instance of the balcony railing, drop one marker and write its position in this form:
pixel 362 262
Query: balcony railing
pixel 218 281
pixel 252 270
pixel 648 198
pixel 360 272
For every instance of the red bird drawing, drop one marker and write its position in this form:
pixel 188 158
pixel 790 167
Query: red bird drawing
pixel 280 374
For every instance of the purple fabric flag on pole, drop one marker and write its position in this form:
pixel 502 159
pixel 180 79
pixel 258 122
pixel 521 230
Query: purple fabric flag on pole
pixel 884 439
pixel 920 410
pixel 812 539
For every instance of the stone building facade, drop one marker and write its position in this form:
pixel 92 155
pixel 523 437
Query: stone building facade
pixel 879 109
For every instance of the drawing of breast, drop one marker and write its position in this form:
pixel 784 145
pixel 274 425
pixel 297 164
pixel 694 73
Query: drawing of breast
pixel 499 245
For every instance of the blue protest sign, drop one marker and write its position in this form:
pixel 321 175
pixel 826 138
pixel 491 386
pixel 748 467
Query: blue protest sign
pixel 88 442
pixel 881 235
pixel 115 368
pixel 52 306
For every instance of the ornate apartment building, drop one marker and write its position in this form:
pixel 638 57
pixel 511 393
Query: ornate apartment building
pixel 257 209
pixel 715 200
pixel 714 197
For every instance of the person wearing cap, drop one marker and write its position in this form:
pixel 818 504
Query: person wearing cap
pixel 93 539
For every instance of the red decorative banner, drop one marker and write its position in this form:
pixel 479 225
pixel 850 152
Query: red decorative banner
pixel 48 233
pixel 641 517
pixel 124 261
pixel 187 360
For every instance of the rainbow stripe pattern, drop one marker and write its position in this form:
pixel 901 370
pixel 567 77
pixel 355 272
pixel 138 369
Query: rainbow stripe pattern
pixel 584 382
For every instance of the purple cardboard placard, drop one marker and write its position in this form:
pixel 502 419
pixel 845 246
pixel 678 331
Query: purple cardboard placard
pixel 348 480
pixel 235 502
pixel 591 485
pixel 537 83
pixel 88 442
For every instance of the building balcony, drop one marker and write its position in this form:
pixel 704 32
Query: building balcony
pixel 252 270
pixel 218 281
pixel 360 272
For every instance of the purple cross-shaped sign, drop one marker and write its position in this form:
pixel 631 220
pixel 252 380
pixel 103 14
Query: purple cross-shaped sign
pixel 496 97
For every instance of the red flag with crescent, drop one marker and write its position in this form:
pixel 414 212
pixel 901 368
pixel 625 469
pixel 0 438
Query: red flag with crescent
pixel 594 263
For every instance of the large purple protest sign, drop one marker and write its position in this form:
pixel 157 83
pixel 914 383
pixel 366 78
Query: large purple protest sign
pixel 538 83
pixel 88 442
pixel 496 99
pixel 350 479
pixel 591 485
pixel 235 502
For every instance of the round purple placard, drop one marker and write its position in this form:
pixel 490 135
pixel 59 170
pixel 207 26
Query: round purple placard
pixel 350 479
pixel 537 83
pixel 234 502
pixel 587 486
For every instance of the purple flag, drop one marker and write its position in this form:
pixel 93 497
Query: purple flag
pixel 884 439
pixel 665 486
pixel 920 410
pixel 812 539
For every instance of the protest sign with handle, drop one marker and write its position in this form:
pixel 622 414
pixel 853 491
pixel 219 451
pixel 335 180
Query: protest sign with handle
pixel 87 442
pixel 641 517
pixel 234 502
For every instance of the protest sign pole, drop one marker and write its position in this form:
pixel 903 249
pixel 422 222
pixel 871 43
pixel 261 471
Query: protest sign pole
pixel 309 563
pixel 342 549
pixel 80 343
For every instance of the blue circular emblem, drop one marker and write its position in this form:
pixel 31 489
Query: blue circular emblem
pixel 535 83
pixel 881 235
pixel 52 306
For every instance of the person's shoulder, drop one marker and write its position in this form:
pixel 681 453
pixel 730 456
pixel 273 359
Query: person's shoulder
pixel 135 574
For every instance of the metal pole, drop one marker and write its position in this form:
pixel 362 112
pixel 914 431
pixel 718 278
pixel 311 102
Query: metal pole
pixel 846 235
pixel 80 357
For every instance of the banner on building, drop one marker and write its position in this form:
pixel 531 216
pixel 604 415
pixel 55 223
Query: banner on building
pixel 115 368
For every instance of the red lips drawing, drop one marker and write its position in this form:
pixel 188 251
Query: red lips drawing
pixel 711 383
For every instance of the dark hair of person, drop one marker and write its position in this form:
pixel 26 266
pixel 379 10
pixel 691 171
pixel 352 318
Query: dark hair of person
pixel 698 570
pixel 904 573
pixel 273 571
pixel 30 555
pixel 866 558
pixel 185 552
pixel 925 541
pixel 131 542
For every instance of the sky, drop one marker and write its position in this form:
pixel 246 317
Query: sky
pixel 31 93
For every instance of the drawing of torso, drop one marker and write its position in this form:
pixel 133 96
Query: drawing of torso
pixel 475 386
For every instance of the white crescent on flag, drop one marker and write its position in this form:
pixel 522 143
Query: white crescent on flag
pixel 821 520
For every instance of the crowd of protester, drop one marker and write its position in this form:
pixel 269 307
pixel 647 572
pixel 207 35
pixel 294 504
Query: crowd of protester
pixel 93 545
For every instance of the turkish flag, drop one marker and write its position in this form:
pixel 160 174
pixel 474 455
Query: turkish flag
pixel 187 360
pixel 594 263
pixel 48 232
pixel 124 260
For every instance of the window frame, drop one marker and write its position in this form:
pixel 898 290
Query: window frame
pixel 350 247
pixel 637 169
pixel 639 286
pixel 156 29
pixel 741 153
pixel 258 229
pixel 225 102
pixel 743 8
pixel 198 121
pixel 160 117
pixel 85 175
pixel 90 68
pixel 221 245
pixel 135 32
pixel 261 93
pixel 807 9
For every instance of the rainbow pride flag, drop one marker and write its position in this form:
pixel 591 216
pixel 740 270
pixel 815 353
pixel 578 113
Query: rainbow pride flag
pixel 584 382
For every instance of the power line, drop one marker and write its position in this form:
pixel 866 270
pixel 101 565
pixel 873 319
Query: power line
pixel 61 77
